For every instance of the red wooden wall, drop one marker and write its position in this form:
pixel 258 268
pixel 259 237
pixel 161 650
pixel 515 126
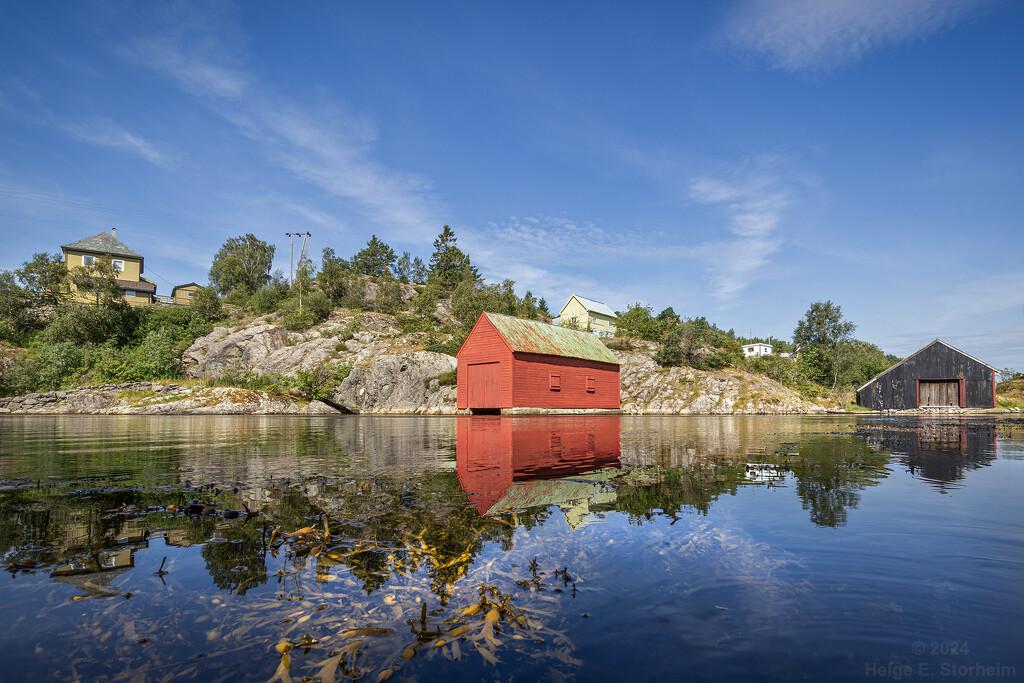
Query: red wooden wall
pixel 484 345
pixel 531 382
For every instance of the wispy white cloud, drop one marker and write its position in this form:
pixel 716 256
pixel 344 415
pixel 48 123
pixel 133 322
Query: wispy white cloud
pixel 553 256
pixel 325 145
pixel 112 136
pixel 1000 294
pixel 753 202
pixel 27 105
pixel 820 35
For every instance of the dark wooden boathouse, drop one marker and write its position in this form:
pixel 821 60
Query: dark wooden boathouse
pixel 508 362
pixel 939 375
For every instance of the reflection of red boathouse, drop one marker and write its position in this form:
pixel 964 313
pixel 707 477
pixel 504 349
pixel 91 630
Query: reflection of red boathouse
pixel 522 461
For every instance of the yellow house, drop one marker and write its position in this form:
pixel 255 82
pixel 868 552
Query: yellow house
pixel 138 291
pixel 585 314
pixel 182 294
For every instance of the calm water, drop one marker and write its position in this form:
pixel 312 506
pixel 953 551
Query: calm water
pixel 525 548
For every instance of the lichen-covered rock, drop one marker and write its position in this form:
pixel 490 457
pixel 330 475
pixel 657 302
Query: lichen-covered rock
pixel 401 383
pixel 226 349
pixel 144 398
pixel 648 389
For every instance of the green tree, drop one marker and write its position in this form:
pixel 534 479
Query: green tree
pixel 542 307
pixel 448 264
pixel 46 277
pixel 700 345
pixel 268 298
pixel 425 305
pixel 823 337
pixel 99 281
pixel 16 316
pixel 375 259
pixel 469 300
pixel 637 322
pixel 528 306
pixel 418 273
pixel 242 265
pixel 388 297
pixel 403 267
pixel 335 276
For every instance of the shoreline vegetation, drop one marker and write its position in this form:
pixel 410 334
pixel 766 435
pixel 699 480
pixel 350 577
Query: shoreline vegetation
pixel 341 332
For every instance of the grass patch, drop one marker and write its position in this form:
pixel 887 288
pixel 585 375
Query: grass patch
pixel 133 396
pixel 445 379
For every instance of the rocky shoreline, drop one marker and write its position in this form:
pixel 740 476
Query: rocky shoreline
pixel 152 398
pixel 386 371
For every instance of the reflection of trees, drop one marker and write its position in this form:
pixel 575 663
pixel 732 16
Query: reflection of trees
pixel 829 475
pixel 238 563
pixel 673 489
pixel 397 527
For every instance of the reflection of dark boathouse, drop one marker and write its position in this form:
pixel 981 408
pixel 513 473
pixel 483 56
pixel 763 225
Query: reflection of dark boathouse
pixel 939 451
pixel 938 375
pixel 523 462
pixel 508 362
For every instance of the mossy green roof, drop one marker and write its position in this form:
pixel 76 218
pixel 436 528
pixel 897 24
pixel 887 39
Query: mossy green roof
pixel 530 336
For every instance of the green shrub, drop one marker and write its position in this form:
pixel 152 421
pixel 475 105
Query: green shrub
pixel 450 347
pixel 315 309
pixel 207 304
pixel 55 365
pixel 268 298
pixel 83 325
pixel 318 382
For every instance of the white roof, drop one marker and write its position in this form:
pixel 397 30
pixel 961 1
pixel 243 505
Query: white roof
pixel 750 346
pixel 593 306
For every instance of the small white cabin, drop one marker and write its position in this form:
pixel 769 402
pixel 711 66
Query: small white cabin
pixel 758 349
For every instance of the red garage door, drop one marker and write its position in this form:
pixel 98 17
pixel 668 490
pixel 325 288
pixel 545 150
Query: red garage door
pixel 483 385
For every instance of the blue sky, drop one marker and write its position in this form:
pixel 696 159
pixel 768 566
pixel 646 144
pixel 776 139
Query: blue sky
pixel 737 160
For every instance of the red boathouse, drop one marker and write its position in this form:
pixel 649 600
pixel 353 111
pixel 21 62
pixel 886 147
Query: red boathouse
pixel 509 362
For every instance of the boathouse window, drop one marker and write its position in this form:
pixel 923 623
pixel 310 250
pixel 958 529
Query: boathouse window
pixel 590 385
pixel 555 382
pixel 129 293
pixel 88 260
pixel 117 264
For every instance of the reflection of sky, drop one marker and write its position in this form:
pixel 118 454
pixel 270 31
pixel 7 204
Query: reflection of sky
pixel 750 586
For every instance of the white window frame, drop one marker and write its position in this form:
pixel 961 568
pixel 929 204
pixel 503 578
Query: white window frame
pixel 129 293
pixel 117 264
pixel 88 260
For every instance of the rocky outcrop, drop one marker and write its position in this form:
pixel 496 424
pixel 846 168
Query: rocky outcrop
pixel 402 383
pixel 649 389
pixel 146 398
pixel 390 372
pixel 262 348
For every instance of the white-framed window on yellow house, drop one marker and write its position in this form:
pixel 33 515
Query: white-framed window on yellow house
pixel 191 294
pixel 88 260
pixel 129 293
pixel 117 264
